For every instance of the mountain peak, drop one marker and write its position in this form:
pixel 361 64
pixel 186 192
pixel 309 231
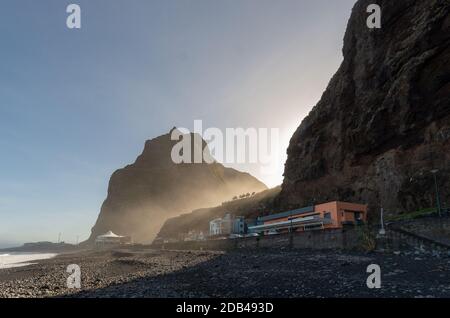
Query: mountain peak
pixel 143 195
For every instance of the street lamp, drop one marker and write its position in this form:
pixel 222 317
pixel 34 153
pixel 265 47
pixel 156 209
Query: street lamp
pixel 436 187
pixel 291 234
pixel 382 230
pixel 290 226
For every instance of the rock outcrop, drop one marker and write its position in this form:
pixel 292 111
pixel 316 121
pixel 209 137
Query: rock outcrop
pixel 383 123
pixel 143 195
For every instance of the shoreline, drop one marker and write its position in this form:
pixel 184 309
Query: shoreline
pixel 21 259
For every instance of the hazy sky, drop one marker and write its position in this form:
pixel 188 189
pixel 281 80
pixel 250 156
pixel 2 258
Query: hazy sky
pixel 75 105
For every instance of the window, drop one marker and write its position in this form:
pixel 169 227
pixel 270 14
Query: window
pixel 327 215
pixel 358 216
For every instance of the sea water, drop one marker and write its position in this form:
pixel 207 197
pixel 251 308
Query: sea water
pixel 16 259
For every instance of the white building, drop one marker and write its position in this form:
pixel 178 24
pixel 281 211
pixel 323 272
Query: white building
pixel 194 236
pixel 215 227
pixel 227 225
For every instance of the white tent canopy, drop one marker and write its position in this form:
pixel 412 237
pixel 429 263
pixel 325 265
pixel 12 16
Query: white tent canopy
pixel 109 234
pixel 110 239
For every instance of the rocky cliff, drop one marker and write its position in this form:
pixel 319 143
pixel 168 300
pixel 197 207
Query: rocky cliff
pixel 143 195
pixel 383 122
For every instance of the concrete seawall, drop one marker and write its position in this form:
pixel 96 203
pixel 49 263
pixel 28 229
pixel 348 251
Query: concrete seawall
pixel 433 228
pixel 324 239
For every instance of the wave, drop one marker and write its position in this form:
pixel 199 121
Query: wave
pixel 22 259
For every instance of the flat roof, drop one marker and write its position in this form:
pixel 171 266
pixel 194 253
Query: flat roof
pixel 309 220
pixel 286 214
pixel 300 211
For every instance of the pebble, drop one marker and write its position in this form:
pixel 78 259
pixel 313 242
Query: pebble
pixel 243 273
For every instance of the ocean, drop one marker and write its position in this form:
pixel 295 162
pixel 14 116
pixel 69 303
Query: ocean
pixel 17 259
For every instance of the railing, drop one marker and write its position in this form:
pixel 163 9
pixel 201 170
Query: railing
pixel 424 239
pixel 306 221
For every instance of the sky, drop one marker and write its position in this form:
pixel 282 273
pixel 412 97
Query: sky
pixel 77 104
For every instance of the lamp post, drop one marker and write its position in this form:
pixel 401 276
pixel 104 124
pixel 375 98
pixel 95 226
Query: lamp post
pixel 291 237
pixel 382 230
pixel 290 226
pixel 436 187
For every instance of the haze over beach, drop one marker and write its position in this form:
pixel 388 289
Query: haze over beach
pixel 76 106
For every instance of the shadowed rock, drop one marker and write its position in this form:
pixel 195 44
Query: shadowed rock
pixel 384 121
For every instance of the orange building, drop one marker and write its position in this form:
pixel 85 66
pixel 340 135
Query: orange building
pixel 334 214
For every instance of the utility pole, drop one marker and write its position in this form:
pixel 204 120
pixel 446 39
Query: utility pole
pixel 436 188
pixel 59 237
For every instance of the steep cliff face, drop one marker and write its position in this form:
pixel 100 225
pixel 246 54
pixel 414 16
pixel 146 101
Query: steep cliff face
pixel 383 123
pixel 143 195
